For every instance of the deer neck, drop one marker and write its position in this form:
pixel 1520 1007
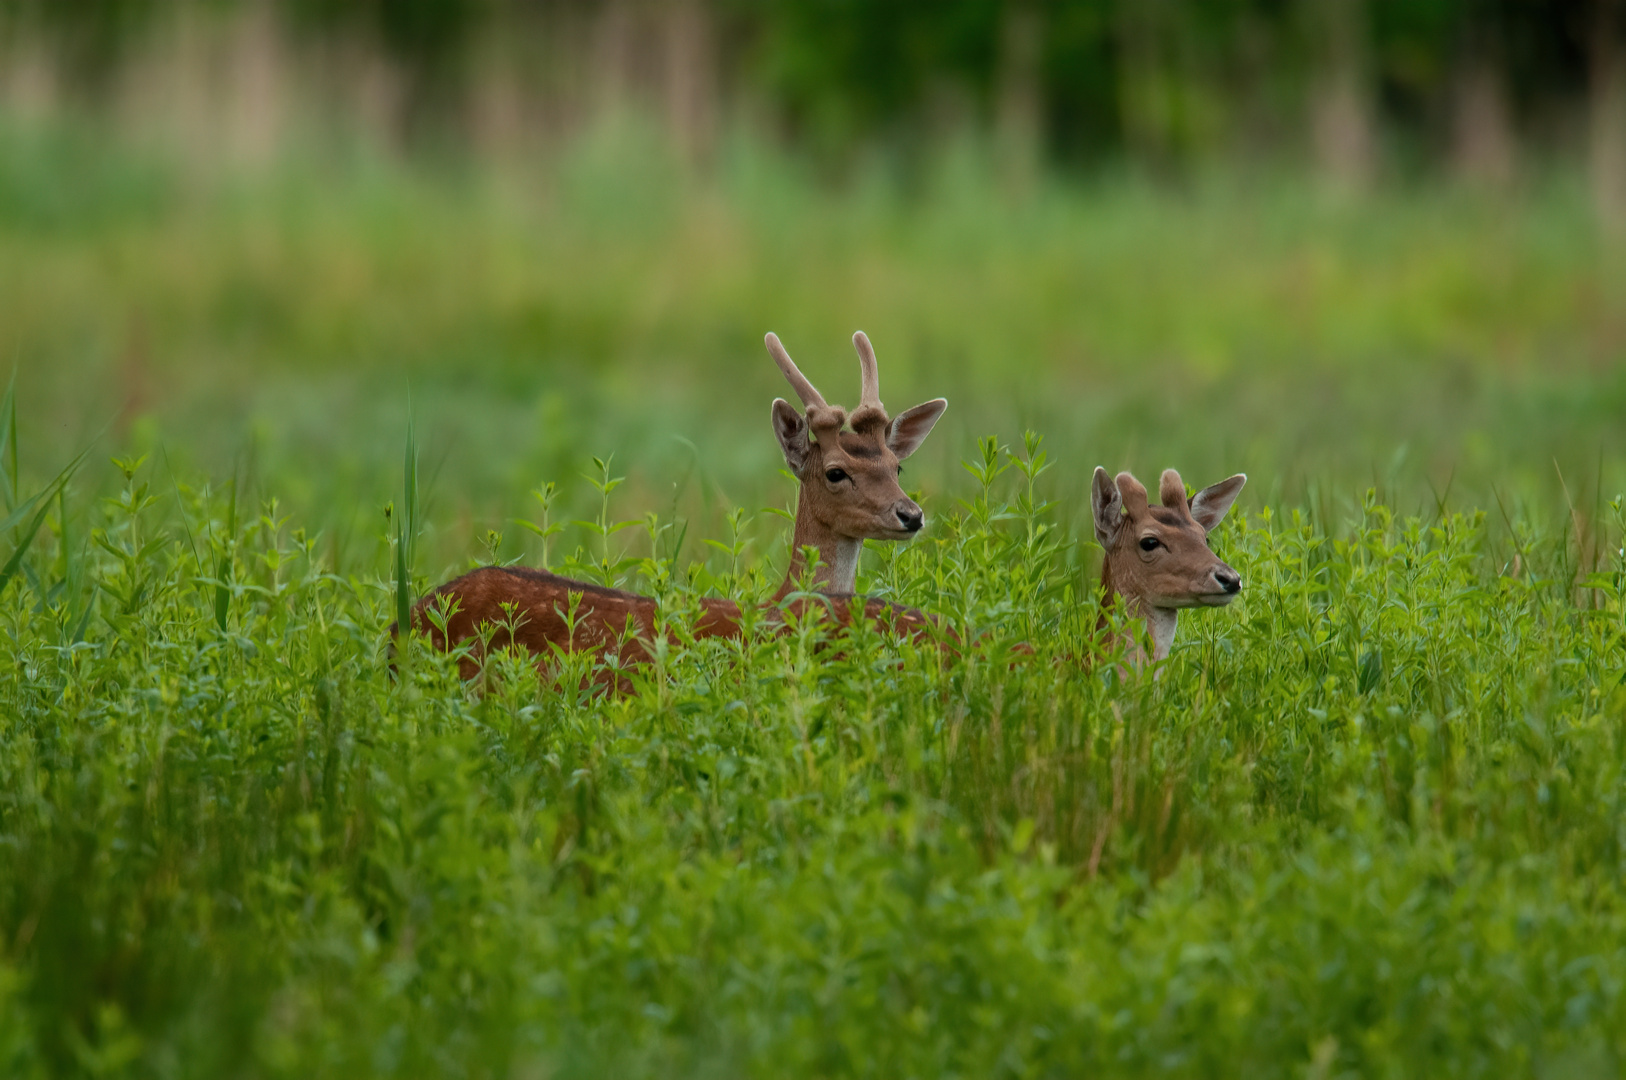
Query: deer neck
pixel 1160 622
pixel 837 573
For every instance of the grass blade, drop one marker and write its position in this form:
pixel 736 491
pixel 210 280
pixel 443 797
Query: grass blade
pixel 21 513
pixel 403 587
pixel 409 500
pixel 43 500
pixel 8 440
pixel 83 624
pixel 9 571
pixel 223 569
pixel 406 530
pixel 222 592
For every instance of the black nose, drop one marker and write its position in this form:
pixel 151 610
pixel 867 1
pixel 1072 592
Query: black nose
pixel 912 519
pixel 1229 580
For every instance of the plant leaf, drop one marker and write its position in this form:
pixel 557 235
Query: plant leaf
pixel 9 571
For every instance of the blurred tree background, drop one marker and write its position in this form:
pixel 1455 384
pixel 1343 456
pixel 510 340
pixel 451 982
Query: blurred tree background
pixel 1336 240
pixel 1357 89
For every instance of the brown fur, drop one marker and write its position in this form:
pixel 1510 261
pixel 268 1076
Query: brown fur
pixel 499 607
pixel 1178 570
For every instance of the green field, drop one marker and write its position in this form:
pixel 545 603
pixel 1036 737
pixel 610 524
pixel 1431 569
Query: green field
pixel 1369 820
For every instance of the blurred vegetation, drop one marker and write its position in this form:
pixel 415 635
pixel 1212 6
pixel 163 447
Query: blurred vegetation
pixel 1163 80
pixel 1330 243
pixel 1435 342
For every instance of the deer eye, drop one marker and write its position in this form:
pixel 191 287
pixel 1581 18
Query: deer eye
pixel 835 476
pixel 1148 543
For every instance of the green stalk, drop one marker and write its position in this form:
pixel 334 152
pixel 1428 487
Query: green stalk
pixel 8 439
pixel 406 531
pixel 223 569
pixel 43 500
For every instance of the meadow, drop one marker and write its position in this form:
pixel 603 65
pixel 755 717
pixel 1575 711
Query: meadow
pixel 1367 821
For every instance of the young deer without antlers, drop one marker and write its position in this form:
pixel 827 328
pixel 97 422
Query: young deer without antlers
pixel 1157 557
pixel 847 464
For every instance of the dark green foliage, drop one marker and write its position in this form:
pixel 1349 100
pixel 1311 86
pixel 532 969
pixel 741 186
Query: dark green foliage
pixel 844 69
pixel 1158 81
pixel 1367 820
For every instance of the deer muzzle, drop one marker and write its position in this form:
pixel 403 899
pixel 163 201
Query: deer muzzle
pixel 1227 584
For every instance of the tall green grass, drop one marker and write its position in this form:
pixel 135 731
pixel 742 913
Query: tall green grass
pixel 1366 822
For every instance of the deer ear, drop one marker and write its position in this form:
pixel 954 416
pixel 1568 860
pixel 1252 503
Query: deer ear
pixel 1134 494
pixel 791 428
pixel 909 429
pixel 1171 490
pixel 1210 505
pixel 1108 506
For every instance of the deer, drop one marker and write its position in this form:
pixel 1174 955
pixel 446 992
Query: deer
pixel 847 465
pixel 1158 561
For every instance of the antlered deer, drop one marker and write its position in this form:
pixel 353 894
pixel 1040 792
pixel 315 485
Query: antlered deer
pixel 847 464
pixel 1157 557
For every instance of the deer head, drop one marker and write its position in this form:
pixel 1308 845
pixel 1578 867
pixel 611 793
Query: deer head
pixel 847 463
pixel 1157 557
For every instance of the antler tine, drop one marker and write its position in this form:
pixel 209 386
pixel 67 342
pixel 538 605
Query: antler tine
pixel 869 370
pixel 793 375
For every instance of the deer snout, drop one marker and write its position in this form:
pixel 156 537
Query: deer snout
pixel 1229 581
pixel 910 516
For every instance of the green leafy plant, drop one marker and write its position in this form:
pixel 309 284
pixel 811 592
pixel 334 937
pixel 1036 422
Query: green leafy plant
pixel 1366 820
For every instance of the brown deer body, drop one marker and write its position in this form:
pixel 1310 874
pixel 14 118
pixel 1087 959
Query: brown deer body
pixel 847 465
pixel 1157 557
